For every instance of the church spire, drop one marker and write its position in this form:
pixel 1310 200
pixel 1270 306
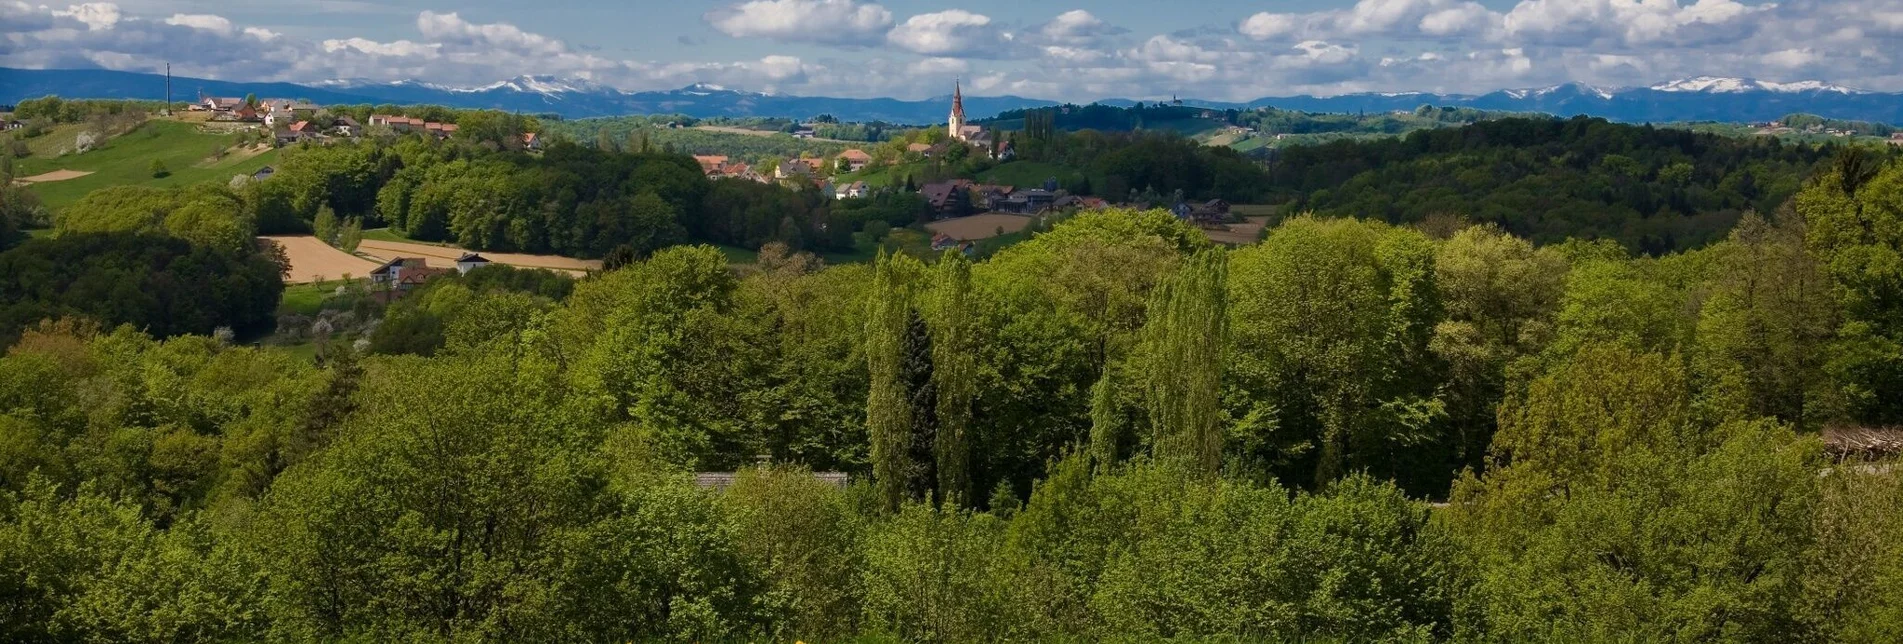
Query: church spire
pixel 958 100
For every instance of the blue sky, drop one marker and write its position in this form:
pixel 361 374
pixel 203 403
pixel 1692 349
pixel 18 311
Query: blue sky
pixel 1077 50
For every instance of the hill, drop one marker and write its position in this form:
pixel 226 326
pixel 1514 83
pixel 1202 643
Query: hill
pixel 185 150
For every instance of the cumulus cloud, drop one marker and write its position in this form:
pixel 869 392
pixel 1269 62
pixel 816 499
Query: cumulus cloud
pixel 823 21
pixel 1078 27
pixel 953 32
pixel 215 24
pixel 450 28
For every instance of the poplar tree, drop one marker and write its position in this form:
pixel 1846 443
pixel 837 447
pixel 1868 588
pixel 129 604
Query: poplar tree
pixel 888 404
pixel 1184 341
pixel 954 368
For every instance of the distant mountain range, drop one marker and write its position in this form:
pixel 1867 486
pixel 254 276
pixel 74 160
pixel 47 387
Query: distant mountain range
pixel 1693 99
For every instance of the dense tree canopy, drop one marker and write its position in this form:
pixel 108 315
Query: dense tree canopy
pixel 159 284
pixel 1113 430
pixel 1652 189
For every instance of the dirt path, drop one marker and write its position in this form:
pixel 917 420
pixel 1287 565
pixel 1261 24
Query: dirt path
pixel 315 261
pixel 978 227
pixel 445 256
pixel 56 175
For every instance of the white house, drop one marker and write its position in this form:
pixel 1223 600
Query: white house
pixel 469 262
pixel 854 190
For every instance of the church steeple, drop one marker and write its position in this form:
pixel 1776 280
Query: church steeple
pixel 957 122
pixel 958 100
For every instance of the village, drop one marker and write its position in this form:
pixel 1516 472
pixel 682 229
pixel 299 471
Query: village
pixel 963 210
pixel 296 121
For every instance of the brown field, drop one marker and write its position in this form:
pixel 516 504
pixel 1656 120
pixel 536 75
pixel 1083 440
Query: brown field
pixel 445 256
pixel 1239 234
pixel 56 175
pixel 315 261
pixel 978 227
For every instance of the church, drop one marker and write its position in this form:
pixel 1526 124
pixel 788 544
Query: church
pixel 959 130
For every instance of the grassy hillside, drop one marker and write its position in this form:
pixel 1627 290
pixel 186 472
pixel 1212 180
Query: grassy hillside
pixel 127 159
pixel 1031 174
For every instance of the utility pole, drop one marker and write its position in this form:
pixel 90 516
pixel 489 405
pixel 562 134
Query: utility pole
pixel 168 90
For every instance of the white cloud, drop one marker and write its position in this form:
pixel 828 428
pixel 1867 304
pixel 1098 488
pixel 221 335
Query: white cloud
pixel 95 15
pixel 940 67
pixel 823 21
pixel 1792 58
pixel 450 28
pixel 1271 26
pixel 216 24
pixel 1078 27
pixel 400 48
pixel 953 32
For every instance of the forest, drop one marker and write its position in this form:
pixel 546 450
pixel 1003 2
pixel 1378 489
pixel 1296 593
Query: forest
pixel 1652 189
pixel 1352 431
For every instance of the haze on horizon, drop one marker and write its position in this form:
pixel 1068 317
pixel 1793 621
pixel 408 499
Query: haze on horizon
pixel 1211 49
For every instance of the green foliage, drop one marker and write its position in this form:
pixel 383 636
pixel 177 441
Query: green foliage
pixel 1612 511
pixel 1854 227
pixel 1182 362
pixel 164 286
pixel 1548 179
pixel 1332 372
pixel 1030 440
pixel 205 214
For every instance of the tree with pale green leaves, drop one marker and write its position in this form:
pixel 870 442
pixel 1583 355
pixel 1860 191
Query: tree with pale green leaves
pixel 1183 361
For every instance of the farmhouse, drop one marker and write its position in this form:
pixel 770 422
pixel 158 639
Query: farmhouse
pixel 399 276
pixel 710 164
pixel 469 262
pixel 989 196
pixel 854 190
pixel 531 141
pixel 855 159
pixel 407 124
pixel 948 198
pixel 798 168
pixel 221 104
pixel 1028 202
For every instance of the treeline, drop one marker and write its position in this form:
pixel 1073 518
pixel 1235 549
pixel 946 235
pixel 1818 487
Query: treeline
pixel 53 109
pixel 569 200
pixel 164 261
pixel 1140 162
pixel 1113 430
pixel 1272 120
pixel 1653 190
pixel 636 133
pixel 159 284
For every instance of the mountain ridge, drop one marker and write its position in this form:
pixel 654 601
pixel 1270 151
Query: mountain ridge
pixel 1703 98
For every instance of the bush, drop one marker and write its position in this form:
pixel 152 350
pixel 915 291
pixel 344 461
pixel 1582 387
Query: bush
pixel 158 169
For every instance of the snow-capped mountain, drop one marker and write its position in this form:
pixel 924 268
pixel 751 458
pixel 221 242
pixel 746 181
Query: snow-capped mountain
pixel 1693 99
pixel 1719 85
